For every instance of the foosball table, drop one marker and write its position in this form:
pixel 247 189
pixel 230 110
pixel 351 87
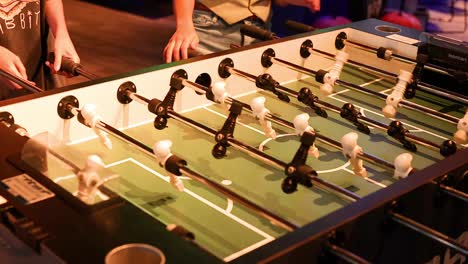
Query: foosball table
pixel 317 148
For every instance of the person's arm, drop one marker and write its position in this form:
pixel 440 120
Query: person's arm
pixel 185 36
pixel 63 45
pixel 313 5
pixel 12 64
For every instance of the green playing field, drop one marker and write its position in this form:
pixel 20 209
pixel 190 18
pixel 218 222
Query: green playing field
pixel 228 229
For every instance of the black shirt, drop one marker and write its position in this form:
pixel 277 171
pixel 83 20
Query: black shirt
pixel 23 32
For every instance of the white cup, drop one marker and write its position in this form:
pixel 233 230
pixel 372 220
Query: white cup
pixel 135 253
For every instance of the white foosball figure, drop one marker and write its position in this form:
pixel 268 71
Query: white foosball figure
pixel 162 151
pixel 301 124
pixel 219 92
pixel 260 112
pixel 393 99
pixel 388 54
pixel 403 165
pixel 351 150
pixel 461 136
pixel 88 111
pixel 89 180
pixel 334 74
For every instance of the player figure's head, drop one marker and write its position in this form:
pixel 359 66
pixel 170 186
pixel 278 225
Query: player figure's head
pixel 94 162
pixel 258 104
pixel 403 165
pixel 162 149
pixel 301 123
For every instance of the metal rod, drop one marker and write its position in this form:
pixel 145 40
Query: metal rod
pixel 390 75
pixel 260 210
pixel 437 68
pixel 290 125
pixel 429 232
pixel 72 165
pixel 409 136
pixel 20 82
pixel 372 50
pixel 431 67
pixel 436 90
pixel 193 175
pixel 346 255
pixel 209 131
pixel 394 77
pixel 86 74
pixel 195 86
pixel 453 192
pixel 255 153
pixel 251 151
pixel 328 106
pixel 358 88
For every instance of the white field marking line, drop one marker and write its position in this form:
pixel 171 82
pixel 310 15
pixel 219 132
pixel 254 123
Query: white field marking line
pixel 362 112
pixel 409 125
pixel 205 201
pixel 269 139
pixel 362 85
pixel 120 129
pixel 342 167
pixel 367 179
pixel 102 196
pixel 195 108
pixel 201 106
pixel 71 176
pixel 247 249
pixel 375 182
pixel 110 164
pixel 99 193
pixel 246 93
pixel 340 92
pixel 386 91
pixel 319 172
pixel 67 177
pixel 411 108
pixel 118 162
pixel 135 125
pixel 230 205
pixel 238 122
pixel 305 76
pixel 371 82
pixel 2 200
pixel 78 141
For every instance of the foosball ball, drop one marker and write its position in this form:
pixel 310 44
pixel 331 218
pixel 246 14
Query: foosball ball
pixel 317 148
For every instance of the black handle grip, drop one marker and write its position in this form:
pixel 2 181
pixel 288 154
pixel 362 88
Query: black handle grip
pixel 257 33
pixel 68 65
pixel 298 27
pixel 30 87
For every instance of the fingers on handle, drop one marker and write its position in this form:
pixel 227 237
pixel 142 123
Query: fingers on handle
pixel 18 68
pixel 57 61
pixel 176 52
pixel 168 51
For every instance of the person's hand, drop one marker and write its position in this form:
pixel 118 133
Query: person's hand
pixel 313 5
pixel 178 46
pixel 63 46
pixel 12 64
